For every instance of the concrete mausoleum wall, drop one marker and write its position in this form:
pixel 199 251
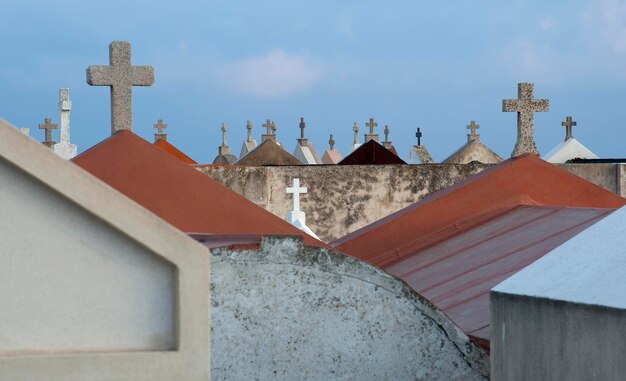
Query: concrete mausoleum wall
pixel 285 311
pixel 342 199
pixel 543 339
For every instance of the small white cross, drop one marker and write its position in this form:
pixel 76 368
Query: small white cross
pixel 296 190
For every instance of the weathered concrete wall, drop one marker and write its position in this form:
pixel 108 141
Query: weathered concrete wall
pixel 342 199
pixel 543 339
pixel 290 312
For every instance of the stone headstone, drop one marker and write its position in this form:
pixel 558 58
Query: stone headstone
pixel 121 77
pixel 525 106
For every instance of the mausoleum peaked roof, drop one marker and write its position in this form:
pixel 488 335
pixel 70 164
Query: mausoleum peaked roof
pixel 473 150
pixel 455 245
pixel 268 153
pixel 172 150
pixel 371 152
pixel 568 150
pixel 175 191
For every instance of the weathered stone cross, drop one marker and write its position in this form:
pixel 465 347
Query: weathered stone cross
pixel 371 124
pixel 568 127
pixel 274 128
pixel 268 135
pixel 160 126
pixel 525 105
pixel 302 127
pixel 331 142
pixel 121 77
pixel 249 128
pixel 48 126
pixel 418 135
pixel 472 135
pixel 355 128
pixel 386 133
pixel 296 190
pixel 224 129
pixel 65 105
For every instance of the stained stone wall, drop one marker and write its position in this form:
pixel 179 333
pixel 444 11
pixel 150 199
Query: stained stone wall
pixel 342 199
pixel 289 312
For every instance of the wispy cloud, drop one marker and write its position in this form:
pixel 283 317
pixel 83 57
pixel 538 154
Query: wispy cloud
pixel 605 20
pixel 274 74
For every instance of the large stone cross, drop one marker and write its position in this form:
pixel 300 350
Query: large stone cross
pixel 371 124
pixel 296 190
pixel 160 126
pixel 48 126
pixel 568 127
pixel 121 77
pixel 418 135
pixel 526 106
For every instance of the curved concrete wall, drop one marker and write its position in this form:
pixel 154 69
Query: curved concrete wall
pixel 290 312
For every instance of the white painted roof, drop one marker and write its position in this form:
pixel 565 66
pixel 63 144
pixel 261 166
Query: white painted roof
pixel 569 149
pixel 304 154
pixel 590 268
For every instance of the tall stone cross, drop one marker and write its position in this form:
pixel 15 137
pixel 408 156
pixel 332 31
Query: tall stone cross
pixel 296 190
pixel 371 124
pixel 267 135
pixel 302 141
pixel 331 142
pixel 418 135
pixel 249 128
pixel 224 129
pixel 526 106
pixel 121 77
pixel 48 126
pixel 472 135
pixel 65 105
pixel 160 126
pixel 386 133
pixel 568 123
pixel 355 128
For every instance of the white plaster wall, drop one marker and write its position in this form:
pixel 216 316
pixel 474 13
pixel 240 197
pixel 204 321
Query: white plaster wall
pixel 289 312
pixel 71 283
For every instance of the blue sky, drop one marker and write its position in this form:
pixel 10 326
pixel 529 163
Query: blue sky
pixel 434 65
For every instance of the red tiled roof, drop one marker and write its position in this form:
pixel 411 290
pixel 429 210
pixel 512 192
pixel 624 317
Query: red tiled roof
pixel 455 245
pixel 181 195
pixel 169 148
pixel 371 152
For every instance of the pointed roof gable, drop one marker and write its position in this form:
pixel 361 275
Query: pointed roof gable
pixel 169 148
pixel 473 150
pixel 568 150
pixel 268 153
pixel 181 195
pixel 419 155
pixel 452 247
pixel 331 157
pixel 371 152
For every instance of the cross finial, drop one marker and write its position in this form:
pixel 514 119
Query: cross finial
pixel 569 123
pixel 386 133
pixel 331 142
pixel 160 126
pixel 65 105
pixel 418 135
pixel 274 128
pixel 121 77
pixel 249 128
pixel 48 126
pixel 525 105
pixel 371 124
pixel 355 128
pixel 302 127
pixel 472 135
pixel 224 129
pixel 296 190
pixel 267 125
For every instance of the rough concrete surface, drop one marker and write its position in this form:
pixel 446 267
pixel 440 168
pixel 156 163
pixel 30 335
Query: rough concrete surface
pixel 543 339
pixel 290 312
pixel 342 199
